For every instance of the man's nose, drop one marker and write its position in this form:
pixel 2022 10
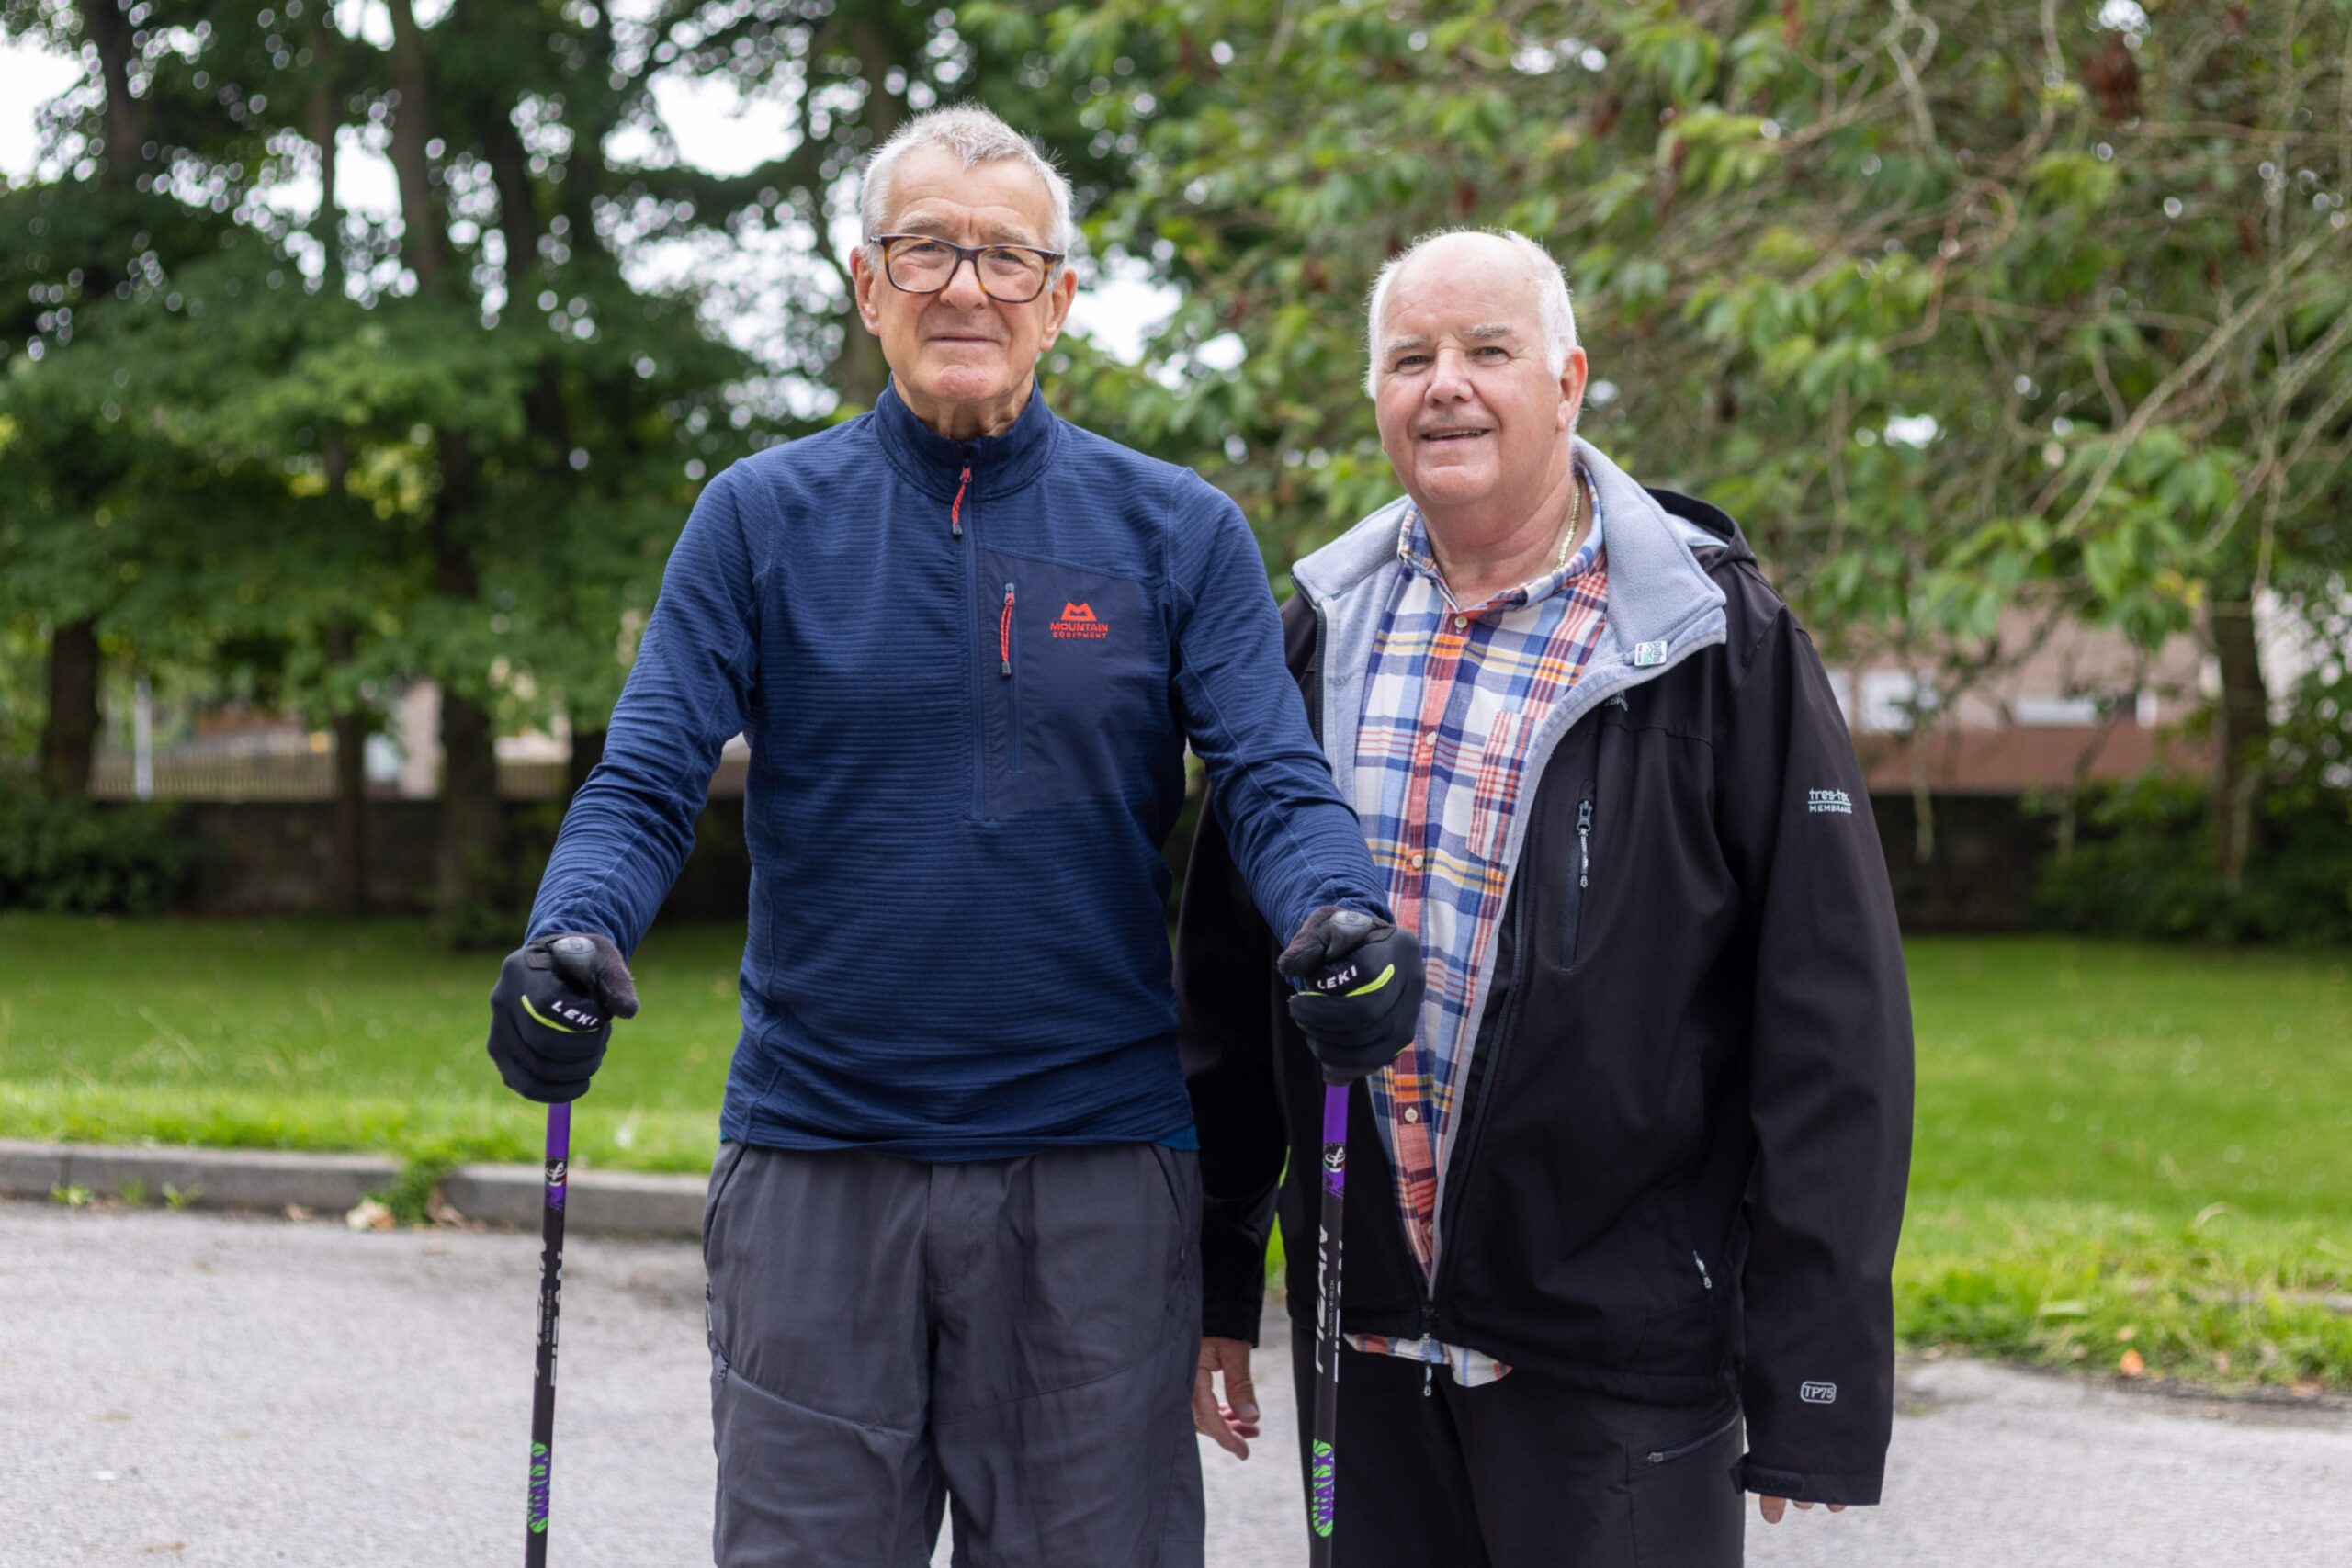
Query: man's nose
pixel 963 289
pixel 1449 380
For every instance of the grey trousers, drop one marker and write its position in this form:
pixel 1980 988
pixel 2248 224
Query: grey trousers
pixel 1013 1338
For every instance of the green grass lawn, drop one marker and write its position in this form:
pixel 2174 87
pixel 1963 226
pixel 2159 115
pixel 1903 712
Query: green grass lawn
pixel 325 1035
pixel 2119 1148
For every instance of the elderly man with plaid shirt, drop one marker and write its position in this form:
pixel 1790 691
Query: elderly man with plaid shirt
pixel 1644 1159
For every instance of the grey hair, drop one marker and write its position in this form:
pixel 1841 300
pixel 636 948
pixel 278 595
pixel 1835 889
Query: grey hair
pixel 975 135
pixel 1556 314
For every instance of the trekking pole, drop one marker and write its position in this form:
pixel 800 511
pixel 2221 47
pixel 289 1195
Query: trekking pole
pixel 1323 1466
pixel 1348 944
pixel 535 1541
pixel 573 955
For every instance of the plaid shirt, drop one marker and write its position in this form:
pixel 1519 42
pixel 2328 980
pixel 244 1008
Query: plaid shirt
pixel 1453 694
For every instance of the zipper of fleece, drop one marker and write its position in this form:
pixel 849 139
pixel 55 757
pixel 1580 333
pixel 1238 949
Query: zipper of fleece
pixel 962 535
pixel 1011 683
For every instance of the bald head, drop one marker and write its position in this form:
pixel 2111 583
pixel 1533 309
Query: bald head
pixel 1525 286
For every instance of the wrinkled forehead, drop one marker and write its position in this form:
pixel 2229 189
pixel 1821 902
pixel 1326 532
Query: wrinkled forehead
pixel 932 191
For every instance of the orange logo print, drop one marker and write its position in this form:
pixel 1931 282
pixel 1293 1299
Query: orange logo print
pixel 1078 621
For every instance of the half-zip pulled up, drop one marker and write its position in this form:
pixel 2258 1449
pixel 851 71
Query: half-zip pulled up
pixel 955 507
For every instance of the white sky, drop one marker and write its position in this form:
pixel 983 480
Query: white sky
pixel 714 127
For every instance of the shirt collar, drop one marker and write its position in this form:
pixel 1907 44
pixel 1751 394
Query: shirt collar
pixel 998 463
pixel 1414 552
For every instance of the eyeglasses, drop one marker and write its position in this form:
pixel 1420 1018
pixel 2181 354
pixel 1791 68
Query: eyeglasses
pixel 920 263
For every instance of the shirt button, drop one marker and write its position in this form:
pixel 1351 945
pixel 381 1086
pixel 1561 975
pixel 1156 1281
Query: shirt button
pixel 1460 621
pixel 1416 862
pixel 1412 1113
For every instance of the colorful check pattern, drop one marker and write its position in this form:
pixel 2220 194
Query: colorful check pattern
pixel 1452 697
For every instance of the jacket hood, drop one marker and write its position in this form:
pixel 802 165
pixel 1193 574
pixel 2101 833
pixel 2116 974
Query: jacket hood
pixel 1657 583
pixel 1663 605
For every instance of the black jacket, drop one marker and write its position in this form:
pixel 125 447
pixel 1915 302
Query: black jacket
pixel 1678 1166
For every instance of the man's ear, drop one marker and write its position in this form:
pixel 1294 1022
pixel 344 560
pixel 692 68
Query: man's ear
pixel 1058 295
pixel 1572 383
pixel 865 277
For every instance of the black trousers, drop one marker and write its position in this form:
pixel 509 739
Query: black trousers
pixel 1526 1472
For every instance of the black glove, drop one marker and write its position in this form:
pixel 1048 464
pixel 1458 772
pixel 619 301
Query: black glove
pixel 552 1013
pixel 1359 998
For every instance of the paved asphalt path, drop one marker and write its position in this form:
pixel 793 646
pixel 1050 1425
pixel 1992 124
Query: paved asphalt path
pixel 199 1390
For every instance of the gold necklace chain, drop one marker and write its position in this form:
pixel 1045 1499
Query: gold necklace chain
pixel 1575 510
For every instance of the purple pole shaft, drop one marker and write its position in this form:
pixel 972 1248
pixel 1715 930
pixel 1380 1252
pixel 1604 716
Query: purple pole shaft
pixel 1323 1464
pixel 534 1540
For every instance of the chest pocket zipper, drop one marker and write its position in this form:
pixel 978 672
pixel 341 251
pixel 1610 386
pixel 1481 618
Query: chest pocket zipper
pixel 1574 920
pixel 1012 686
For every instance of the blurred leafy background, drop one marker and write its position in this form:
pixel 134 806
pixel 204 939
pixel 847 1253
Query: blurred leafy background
pixel 1962 310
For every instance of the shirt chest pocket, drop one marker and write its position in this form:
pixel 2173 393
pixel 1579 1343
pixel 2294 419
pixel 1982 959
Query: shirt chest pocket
pixel 1074 683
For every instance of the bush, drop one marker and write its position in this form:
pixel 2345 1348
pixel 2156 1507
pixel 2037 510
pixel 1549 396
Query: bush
pixel 2144 867
pixel 74 857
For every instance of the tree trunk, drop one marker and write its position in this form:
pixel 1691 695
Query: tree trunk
pixel 466 873
pixel 104 24
pixel 347 874
pixel 2242 743
pixel 69 736
pixel 587 750
pixel 465 884
pixel 350 871
pixel 860 372
pixel 323 123
pixel 421 238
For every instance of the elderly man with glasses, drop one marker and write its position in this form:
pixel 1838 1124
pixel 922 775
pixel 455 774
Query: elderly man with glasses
pixel 1635 1187
pixel 952 1229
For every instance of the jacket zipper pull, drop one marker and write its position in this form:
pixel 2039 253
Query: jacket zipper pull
pixel 1704 1278
pixel 1004 632
pixel 1583 843
pixel 1428 1374
pixel 956 512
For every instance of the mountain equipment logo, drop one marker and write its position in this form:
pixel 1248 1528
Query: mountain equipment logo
pixel 1836 800
pixel 1077 621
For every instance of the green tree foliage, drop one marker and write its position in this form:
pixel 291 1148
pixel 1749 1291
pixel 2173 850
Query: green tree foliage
pixel 310 453
pixel 2010 302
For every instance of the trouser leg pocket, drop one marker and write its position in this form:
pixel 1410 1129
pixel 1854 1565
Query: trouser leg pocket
pixel 1685 1499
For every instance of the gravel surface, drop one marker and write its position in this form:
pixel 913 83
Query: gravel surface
pixel 202 1389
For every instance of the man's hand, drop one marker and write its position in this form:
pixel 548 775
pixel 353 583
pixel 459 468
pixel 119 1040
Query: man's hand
pixel 552 1013
pixel 1773 1507
pixel 1231 1423
pixel 1359 993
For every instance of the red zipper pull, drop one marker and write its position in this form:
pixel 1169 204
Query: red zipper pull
pixel 1005 631
pixel 955 513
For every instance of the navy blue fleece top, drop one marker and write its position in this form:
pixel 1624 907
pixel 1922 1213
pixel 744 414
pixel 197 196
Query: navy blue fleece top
pixel 967 673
